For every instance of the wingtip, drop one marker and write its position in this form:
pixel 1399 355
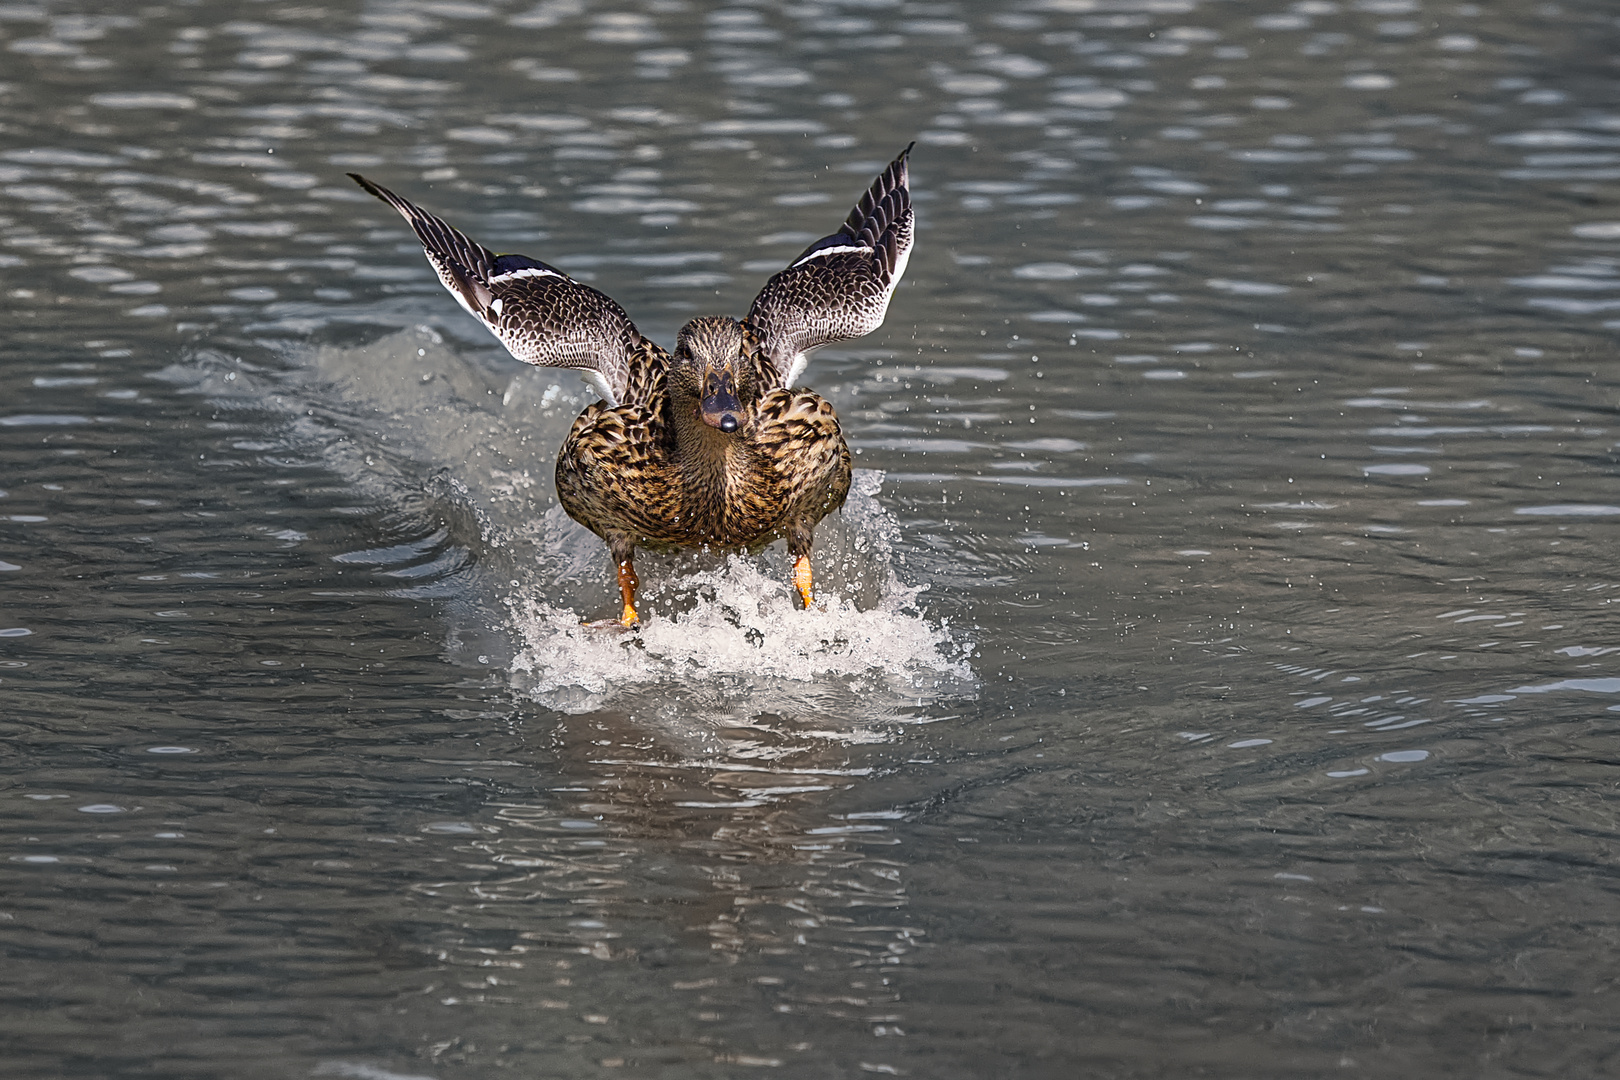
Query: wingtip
pixel 367 185
pixel 902 164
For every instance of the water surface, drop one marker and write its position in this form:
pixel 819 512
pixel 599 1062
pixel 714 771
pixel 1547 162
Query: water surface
pixel 1216 676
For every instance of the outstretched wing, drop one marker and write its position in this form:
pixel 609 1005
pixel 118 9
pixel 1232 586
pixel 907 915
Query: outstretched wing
pixel 542 316
pixel 839 288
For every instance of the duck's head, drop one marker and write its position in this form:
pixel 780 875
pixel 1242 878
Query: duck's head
pixel 711 375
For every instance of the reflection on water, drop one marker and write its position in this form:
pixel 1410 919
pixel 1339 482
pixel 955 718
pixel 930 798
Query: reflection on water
pixel 1217 663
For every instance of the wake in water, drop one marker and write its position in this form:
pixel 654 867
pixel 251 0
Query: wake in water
pixel 437 436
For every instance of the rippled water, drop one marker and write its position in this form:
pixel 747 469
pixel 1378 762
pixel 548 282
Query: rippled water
pixel 1216 677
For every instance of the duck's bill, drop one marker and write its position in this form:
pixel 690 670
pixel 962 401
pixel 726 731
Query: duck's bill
pixel 722 411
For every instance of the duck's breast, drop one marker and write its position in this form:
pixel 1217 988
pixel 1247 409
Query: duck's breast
pixel 615 476
pixel 803 467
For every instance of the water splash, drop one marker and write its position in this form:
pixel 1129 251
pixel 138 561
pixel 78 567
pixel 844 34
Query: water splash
pixel 744 628
pixel 734 628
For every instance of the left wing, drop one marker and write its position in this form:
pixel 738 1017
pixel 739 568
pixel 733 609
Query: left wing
pixel 839 287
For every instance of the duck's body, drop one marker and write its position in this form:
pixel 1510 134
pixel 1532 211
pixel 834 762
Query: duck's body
pixel 709 446
pixel 639 474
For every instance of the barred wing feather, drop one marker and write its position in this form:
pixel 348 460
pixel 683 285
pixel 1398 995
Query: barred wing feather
pixel 542 316
pixel 839 287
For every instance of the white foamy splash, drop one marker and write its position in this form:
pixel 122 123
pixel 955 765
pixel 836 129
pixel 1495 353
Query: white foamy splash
pixel 735 630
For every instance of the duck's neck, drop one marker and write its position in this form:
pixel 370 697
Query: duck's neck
pixel 709 457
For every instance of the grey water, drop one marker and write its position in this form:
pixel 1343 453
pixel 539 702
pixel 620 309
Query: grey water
pixel 1254 376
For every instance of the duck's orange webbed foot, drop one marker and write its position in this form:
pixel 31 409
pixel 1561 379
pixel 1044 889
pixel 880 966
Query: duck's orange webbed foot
pixel 803 579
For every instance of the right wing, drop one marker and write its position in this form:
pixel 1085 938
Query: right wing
pixel 542 316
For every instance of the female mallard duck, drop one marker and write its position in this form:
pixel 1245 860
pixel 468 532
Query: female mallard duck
pixel 711 446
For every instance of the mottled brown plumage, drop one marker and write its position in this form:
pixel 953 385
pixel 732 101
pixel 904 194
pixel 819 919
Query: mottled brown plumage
pixel 653 473
pixel 709 446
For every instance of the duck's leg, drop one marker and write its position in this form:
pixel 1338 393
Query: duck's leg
pixel 623 553
pixel 799 541
pixel 803 579
pixel 628 584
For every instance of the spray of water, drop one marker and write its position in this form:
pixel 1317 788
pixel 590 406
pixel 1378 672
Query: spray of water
pixel 439 435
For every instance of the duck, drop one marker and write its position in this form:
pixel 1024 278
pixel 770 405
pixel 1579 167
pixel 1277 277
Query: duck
pixel 713 445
